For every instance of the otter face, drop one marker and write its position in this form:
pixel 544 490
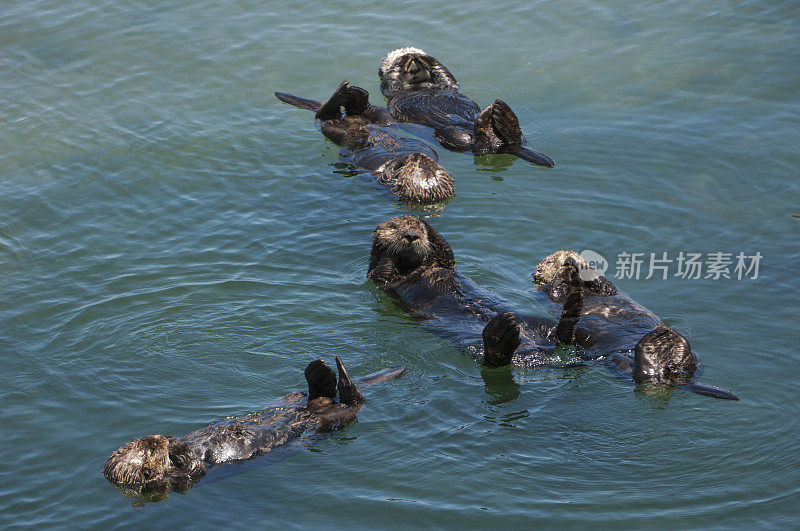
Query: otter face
pixel 403 240
pixel 413 69
pixel 154 461
pixel 663 356
pixel 417 177
pixel 549 270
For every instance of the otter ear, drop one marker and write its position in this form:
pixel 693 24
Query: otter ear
pixel 442 251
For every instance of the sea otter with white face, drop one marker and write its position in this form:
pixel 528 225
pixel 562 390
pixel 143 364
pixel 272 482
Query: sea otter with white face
pixel 407 166
pixel 612 326
pixel 157 464
pixel 414 263
pixel 422 90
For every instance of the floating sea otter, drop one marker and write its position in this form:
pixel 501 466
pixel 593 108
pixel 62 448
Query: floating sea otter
pixel 409 167
pixel 422 90
pixel 159 464
pixel 612 325
pixel 412 262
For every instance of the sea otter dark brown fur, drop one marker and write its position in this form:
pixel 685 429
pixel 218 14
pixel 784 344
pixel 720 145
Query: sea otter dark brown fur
pixel 407 166
pixel 612 326
pixel 422 90
pixel 159 464
pixel 414 263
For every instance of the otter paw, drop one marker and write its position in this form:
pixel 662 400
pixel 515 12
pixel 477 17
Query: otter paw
pixel 501 337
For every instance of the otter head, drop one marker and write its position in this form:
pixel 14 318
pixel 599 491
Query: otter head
pixel 403 244
pixel 551 269
pixel 407 69
pixel 417 177
pixel 154 463
pixel 663 356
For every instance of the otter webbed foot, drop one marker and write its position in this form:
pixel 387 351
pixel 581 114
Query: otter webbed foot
pixel 348 392
pixel 497 130
pixel 331 109
pixel 500 340
pixel 321 380
pixel 355 101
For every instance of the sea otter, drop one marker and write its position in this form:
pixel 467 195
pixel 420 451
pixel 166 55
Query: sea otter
pixel 408 167
pixel 422 90
pixel 611 326
pixel 415 264
pixel 159 464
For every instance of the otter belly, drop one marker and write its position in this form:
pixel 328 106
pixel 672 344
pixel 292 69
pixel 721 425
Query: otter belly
pixel 249 436
pixel 435 108
pixel 382 146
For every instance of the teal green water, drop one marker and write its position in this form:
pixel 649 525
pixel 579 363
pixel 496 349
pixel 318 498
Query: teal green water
pixel 176 244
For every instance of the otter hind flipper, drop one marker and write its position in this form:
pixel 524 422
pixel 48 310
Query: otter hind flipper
pixel 497 130
pixel 297 101
pixel 500 339
pixel 331 109
pixel 348 392
pixel 505 122
pixel 355 101
pixel 321 380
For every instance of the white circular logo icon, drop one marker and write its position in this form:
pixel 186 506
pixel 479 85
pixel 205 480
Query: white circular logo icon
pixel 594 265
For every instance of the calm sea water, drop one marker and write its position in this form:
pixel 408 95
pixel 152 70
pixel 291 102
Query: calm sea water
pixel 176 244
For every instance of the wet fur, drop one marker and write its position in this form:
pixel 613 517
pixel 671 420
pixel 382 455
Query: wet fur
pixel 413 263
pixel 422 90
pixel 408 167
pixel 160 464
pixel 612 324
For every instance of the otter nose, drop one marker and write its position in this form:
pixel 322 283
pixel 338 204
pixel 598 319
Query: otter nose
pixel 411 236
pixel 417 72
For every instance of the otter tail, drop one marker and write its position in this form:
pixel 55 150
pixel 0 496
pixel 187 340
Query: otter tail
pixel 500 340
pixel 497 130
pixel 297 101
pixel 379 377
pixel 708 390
pixel 354 100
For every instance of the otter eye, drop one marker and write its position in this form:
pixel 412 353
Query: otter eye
pixel 147 473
